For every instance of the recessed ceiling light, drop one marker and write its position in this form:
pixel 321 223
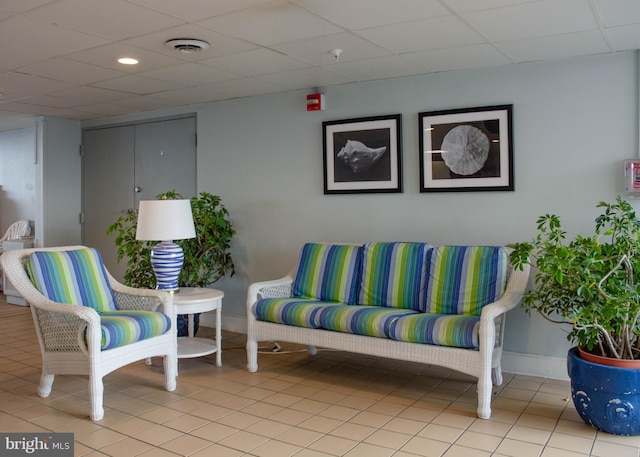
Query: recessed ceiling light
pixel 128 61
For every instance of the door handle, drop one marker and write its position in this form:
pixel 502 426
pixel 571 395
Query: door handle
pixel 137 189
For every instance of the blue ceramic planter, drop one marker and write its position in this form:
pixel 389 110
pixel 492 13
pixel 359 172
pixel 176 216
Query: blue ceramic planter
pixel 607 398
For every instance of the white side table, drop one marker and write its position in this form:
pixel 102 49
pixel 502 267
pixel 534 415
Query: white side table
pixel 192 300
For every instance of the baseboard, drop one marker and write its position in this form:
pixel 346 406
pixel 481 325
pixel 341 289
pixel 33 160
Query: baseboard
pixel 512 362
pixel 231 323
pixel 535 365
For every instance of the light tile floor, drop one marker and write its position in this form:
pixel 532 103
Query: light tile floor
pixel 331 404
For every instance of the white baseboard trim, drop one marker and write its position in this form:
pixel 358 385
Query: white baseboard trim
pixel 512 362
pixel 535 365
pixel 231 323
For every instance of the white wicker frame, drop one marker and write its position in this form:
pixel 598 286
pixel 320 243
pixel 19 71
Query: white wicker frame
pixel 15 231
pixel 61 332
pixel 481 364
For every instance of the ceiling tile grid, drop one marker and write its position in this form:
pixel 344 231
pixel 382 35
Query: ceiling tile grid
pixel 59 56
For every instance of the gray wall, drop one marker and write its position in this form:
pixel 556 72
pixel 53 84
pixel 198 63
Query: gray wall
pixel 17 177
pixel 40 180
pixel 575 121
pixel 60 181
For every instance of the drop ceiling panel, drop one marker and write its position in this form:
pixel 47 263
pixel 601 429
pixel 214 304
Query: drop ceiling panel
pixel 24 33
pixel 190 74
pixel 193 10
pixel 380 68
pixel 137 84
pixel 619 12
pixel 219 44
pixel 113 19
pixel 555 47
pixel 257 62
pixel 243 87
pixel 534 19
pixel 359 14
pixel 625 38
pixel 316 51
pixel 63 52
pixel 438 33
pixel 274 23
pixel 86 95
pixel 305 78
pixel 69 70
pixel 476 56
pixel 106 56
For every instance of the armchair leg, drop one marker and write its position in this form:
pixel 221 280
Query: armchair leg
pixel 46 382
pixel 96 392
pixel 497 376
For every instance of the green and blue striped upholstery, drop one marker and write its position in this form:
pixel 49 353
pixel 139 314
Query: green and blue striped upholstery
pixel 327 272
pixel 299 312
pixel 439 329
pixel 76 277
pixel 361 320
pixel 393 274
pixel 125 327
pixel 463 279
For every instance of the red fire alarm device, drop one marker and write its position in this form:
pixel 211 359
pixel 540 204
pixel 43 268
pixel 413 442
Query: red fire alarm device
pixel 315 102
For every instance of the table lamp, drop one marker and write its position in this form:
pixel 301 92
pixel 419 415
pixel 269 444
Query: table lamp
pixel 165 221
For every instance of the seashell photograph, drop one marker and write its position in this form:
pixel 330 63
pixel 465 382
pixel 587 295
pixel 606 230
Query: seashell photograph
pixel 359 157
pixel 363 155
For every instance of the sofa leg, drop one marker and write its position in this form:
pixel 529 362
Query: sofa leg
pixel 252 356
pixel 312 350
pixel 170 372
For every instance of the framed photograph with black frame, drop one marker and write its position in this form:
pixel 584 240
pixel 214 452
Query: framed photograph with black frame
pixel 363 155
pixel 466 149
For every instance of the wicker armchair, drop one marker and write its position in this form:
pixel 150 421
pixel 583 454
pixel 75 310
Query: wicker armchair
pixel 15 231
pixel 72 336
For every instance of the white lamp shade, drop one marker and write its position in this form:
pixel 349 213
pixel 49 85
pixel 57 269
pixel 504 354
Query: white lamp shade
pixel 164 220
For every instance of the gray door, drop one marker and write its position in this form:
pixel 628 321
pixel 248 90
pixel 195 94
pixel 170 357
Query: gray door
pixel 126 164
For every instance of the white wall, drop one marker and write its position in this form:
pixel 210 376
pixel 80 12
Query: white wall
pixel 575 121
pixel 17 177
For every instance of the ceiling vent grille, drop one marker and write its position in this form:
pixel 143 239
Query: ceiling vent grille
pixel 187 45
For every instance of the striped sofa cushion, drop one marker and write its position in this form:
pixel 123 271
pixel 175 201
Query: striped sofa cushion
pixel 463 279
pixel 439 329
pixel 361 320
pixel 327 272
pixel 126 327
pixel 299 312
pixel 393 274
pixel 75 277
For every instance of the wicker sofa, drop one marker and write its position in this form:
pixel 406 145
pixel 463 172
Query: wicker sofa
pixel 438 305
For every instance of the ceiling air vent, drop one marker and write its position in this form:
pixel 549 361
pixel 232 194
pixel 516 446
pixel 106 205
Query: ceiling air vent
pixel 187 45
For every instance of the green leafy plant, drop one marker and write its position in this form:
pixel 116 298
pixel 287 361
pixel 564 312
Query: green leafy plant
pixel 206 257
pixel 589 282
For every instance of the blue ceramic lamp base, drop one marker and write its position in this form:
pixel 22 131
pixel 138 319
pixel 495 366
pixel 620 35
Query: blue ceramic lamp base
pixel 166 261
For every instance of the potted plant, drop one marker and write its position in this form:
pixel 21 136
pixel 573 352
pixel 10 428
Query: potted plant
pixel 206 257
pixel 590 283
